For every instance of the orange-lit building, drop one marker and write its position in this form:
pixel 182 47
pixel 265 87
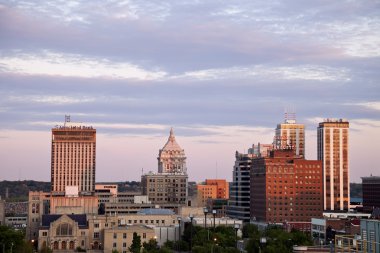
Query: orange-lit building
pixel 213 189
pixel 333 152
pixel 73 152
pixel 286 188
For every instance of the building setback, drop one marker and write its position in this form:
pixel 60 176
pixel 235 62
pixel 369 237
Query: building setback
pixel 285 188
pixel 333 152
pixel 73 152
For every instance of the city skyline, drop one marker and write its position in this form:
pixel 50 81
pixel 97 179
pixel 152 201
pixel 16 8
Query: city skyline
pixel 220 74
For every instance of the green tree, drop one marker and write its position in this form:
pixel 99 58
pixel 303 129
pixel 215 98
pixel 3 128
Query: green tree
pixel 11 239
pixel 136 244
pixel 150 246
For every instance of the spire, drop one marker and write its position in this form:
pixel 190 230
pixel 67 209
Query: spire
pixel 171 144
pixel 171 136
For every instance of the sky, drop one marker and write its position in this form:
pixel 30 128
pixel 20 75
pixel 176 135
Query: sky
pixel 221 73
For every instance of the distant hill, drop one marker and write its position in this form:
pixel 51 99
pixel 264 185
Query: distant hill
pixel 19 190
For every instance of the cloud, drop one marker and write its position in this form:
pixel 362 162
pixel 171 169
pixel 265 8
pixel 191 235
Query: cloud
pixel 369 105
pixel 61 64
pixel 55 100
pixel 261 72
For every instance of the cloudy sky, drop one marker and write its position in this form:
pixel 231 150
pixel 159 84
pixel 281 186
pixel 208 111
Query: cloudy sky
pixel 220 72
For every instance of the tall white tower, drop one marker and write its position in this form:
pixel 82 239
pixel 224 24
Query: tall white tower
pixel 333 151
pixel 171 158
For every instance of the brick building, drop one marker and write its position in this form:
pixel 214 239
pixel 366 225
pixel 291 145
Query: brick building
pixel 286 188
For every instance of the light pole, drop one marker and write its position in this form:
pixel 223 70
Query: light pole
pixel 212 246
pixel 205 211
pixel 214 214
pixel 11 246
pixel 236 227
pixel 179 233
pixel 191 232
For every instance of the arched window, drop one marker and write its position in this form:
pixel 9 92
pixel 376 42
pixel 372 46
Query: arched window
pixel 64 245
pixel 55 245
pixel 64 229
pixel 71 245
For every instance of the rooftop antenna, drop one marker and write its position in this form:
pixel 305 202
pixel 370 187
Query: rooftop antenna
pixel 216 170
pixel 290 115
pixel 67 119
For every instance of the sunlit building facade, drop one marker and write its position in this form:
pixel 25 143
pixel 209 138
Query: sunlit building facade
pixel 171 158
pixel 333 152
pixel 73 158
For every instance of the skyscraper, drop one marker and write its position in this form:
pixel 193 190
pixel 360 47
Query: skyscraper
pixel 171 158
pixel 290 135
pixel 73 158
pixel 333 151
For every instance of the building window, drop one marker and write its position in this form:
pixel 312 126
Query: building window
pixel 124 244
pixel 114 235
pixel 64 229
pixel 44 233
pixel 96 235
pixel 124 235
pixel 96 225
pixel 114 245
pixel 144 235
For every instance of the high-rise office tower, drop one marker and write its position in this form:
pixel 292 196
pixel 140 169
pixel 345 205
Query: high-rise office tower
pixel 333 151
pixel 239 201
pixel 171 158
pixel 73 159
pixel 290 135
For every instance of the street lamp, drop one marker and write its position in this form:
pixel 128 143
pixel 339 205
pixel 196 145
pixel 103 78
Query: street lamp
pixel 191 232
pixel 179 233
pixel 11 246
pixel 205 211
pixel 236 227
pixel 214 214
pixel 212 246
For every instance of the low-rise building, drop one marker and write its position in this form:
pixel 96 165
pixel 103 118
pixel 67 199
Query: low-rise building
pixel 120 238
pixel 371 193
pixel 63 232
pixel 370 234
pixel 213 189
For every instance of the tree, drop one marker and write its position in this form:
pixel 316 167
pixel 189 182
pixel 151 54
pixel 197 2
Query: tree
pixel 12 239
pixel 150 246
pixel 136 244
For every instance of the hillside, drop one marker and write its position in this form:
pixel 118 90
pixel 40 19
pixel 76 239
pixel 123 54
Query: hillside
pixel 19 190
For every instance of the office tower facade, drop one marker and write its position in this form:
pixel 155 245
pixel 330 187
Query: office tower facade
pixel 73 158
pixel 285 188
pixel 371 192
pixel 171 158
pixel 290 135
pixel 165 188
pixel 333 152
pixel 238 205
